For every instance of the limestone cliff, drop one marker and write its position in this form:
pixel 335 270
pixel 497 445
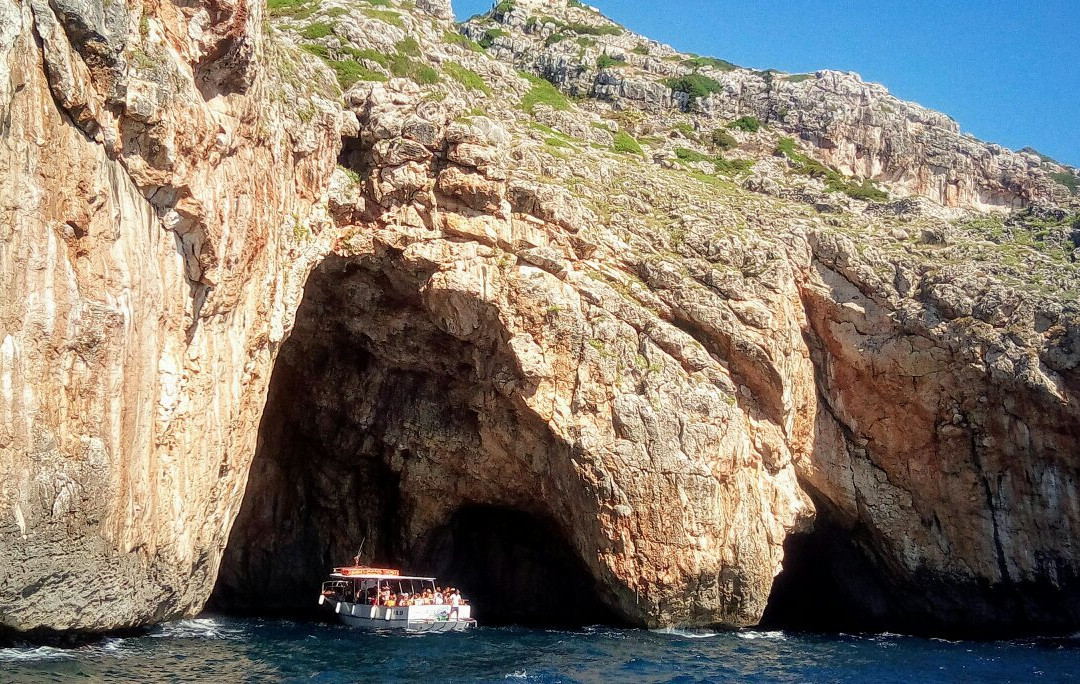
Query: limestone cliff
pixel 857 127
pixel 673 340
pixel 153 183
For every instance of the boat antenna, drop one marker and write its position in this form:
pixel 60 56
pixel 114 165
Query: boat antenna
pixel 360 550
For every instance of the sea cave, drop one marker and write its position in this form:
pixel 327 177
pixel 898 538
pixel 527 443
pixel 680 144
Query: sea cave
pixel 383 430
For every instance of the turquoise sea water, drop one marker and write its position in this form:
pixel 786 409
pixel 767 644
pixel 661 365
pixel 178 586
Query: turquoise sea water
pixel 232 650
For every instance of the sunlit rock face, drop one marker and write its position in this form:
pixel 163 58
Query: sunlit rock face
pixel 512 324
pixel 145 279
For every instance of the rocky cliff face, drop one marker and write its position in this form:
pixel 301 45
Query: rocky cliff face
pixel 149 270
pixel 663 362
pixel 855 126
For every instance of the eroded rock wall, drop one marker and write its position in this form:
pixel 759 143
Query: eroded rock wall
pixel 481 356
pixel 146 283
pixel 946 445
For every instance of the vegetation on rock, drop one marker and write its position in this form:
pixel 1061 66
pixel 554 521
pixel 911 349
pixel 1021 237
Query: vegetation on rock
pixel 749 124
pixel 695 85
pixel 723 140
pixel 624 142
pixel 542 92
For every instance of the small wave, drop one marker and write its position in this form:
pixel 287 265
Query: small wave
pixel 772 636
pixel 196 628
pixel 29 654
pixel 688 633
pixel 112 644
pixel 517 674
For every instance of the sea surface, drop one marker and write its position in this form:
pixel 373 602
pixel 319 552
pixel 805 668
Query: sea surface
pixel 234 650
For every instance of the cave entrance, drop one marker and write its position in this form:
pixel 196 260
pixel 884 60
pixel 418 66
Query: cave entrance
pixel 515 567
pixel 827 584
pixel 381 426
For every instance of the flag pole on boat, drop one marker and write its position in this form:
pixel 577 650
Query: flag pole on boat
pixel 356 560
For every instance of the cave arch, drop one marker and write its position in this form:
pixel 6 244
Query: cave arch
pixel 516 567
pixel 382 426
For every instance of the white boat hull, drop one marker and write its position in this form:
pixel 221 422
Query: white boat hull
pixel 404 618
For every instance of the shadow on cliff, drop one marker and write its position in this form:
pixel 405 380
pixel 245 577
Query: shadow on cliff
pixel 379 426
pixel 835 580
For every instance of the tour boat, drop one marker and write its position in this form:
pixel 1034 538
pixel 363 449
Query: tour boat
pixel 350 593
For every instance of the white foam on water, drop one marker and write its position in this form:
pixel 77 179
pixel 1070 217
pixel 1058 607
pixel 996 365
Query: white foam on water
pixel 112 645
pixel 30 654
pixel 517 674
pixel 195 628
pixel 688 633
pixel 772 636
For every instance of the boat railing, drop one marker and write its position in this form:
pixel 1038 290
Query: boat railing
pixel 335 588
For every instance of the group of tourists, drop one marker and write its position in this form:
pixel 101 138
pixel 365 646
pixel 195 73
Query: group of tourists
pixel 439 597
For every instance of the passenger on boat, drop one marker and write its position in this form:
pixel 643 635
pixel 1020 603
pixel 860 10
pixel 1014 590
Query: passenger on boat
pixel 455 602
pixel 384 595
pixel 438 596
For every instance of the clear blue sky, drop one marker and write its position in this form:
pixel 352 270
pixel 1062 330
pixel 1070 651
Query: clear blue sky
pixel 1007 70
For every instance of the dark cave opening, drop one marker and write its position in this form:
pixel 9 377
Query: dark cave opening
pixel 515 567
pixel 826 585
pixel 365 440
pixel 834 580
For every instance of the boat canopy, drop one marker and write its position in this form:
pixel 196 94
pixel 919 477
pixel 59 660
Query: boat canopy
pixel 363 572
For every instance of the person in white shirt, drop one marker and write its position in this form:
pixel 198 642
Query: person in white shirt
pixel 455 602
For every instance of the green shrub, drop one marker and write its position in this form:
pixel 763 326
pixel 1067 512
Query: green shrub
pixel 317 50
pixel 404 66
pixel 317 30
pixel 409 46
pixel 466 77
pixel 750 124
pixel 556 142
pixel 489 37
pixel 504 7
pixel 731 167
pixel 455 38
pixel 718 64
pixel 1068 180
pixel 624 142
pixel 349 72
pixel 799 78
pixel 554 38
pixel 694 85
pixel 688 155
pixel 542 92
pixel 298 9
pixel 586 42
pixel 386 16
pixel 723 140
pixel 686 129
pixel 606 61
pixel 366 54
pixel 641 49
pixel 590 30
pixel 786 147
pixel 865 191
